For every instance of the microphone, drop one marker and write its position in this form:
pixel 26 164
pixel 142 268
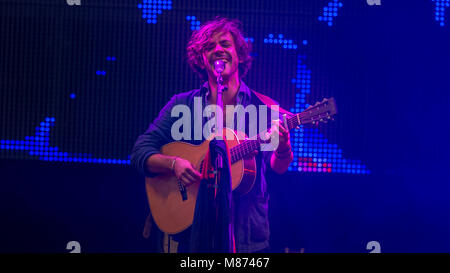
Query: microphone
pixel 219 66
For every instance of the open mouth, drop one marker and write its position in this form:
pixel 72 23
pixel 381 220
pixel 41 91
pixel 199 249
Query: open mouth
pixel 225 60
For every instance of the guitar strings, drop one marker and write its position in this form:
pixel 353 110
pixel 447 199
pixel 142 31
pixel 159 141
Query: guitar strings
pixel 249 145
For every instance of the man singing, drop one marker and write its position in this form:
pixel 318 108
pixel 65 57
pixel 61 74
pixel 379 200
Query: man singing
pixel 219 39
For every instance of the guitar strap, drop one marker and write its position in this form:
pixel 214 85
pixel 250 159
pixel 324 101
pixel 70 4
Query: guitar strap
pixel 270 102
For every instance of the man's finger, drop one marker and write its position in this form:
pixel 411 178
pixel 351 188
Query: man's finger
pixel 184 181
pixel 194 173
pixel 275 131
pixel 189 177
pixel 283 128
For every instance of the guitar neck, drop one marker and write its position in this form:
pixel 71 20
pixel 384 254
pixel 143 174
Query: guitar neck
pixel 243 149
pixel 314 114
pixel 249 145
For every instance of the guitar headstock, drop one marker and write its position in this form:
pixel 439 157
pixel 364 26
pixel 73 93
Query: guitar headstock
pixel 322 111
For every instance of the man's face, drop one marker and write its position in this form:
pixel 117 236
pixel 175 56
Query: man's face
pixel 221 46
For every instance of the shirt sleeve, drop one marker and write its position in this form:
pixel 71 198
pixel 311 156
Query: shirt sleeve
pixel 157 135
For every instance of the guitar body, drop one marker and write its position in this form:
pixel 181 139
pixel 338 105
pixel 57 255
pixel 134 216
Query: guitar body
pixel 169 211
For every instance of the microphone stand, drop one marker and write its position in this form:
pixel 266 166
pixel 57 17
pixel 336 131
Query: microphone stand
pixel 218 162
pixel 220 88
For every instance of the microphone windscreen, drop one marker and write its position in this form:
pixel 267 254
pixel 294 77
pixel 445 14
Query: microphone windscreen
pixel 219 66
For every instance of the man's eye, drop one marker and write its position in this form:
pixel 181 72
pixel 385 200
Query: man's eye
pixel 209 47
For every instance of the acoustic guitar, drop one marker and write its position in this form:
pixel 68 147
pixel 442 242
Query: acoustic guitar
pixel 172 213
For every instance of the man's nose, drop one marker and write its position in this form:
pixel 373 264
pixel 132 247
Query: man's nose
pixel 218 48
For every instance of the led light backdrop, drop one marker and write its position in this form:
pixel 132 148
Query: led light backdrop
pixel 81 79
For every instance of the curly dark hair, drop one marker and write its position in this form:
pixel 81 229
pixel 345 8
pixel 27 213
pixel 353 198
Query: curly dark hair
pixel 200 37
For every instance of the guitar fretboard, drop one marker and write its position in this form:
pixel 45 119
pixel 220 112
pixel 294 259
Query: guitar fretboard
pixel 319 112
pixel 241 150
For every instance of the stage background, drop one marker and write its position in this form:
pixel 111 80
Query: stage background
pixel 81 79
